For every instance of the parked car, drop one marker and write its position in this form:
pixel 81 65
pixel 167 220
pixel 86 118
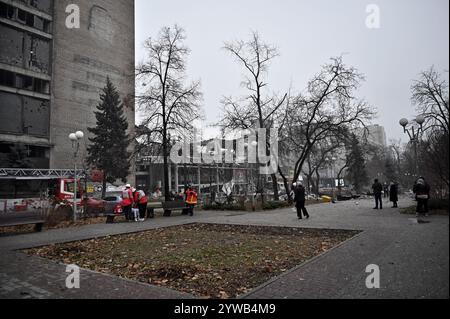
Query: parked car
pixel 113 205
pixel 93 206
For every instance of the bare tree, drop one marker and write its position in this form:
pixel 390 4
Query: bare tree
pixel 169 105
pixel 329 106
pixel 430 95
pixel 257 109
pixel 317 159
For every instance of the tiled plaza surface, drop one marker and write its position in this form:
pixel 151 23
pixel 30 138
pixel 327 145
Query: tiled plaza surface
pixel 413 258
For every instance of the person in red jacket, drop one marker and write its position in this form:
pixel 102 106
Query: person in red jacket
pixel 191 199
pixel 127 202
pixel 141 201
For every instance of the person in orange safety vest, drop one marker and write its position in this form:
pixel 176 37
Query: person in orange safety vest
pixel 191 199
pixel 127 202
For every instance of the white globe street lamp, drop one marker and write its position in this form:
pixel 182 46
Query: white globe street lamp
pixel 404 123
pixel 75 138
pixel 79 135
pixel 414 129
pixel 420 120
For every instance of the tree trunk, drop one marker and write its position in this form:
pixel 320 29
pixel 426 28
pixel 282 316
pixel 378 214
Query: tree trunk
pixel 313 184
pixel 286 185
pixel 318 183
pixel 105 177
pixel 275 187
pixel 166 168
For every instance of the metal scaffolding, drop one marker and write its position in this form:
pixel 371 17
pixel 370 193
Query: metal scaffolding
pixel 19 173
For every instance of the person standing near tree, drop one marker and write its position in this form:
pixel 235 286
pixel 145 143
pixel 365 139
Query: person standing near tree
pixel 386 190
pixel 422 191
pixel 393 194
pixel 300 201
pixel 377 188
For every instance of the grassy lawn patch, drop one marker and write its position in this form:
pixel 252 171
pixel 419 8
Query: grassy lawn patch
pixel 208 261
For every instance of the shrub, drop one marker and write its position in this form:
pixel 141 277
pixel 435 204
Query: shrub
pixel 438 204
pixel 270 205
pixel 224 207
pixel 59 214
pixel 435 206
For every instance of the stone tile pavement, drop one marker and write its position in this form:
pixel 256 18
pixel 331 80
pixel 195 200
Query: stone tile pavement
pixel 413 258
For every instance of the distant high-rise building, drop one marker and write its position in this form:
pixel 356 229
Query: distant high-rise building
pixel 376 135
pixel 51 75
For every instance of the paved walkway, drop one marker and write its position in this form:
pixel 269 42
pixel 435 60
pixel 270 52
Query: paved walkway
pixel 413 258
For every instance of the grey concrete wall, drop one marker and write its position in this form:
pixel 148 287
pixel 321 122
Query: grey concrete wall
pixel 82 59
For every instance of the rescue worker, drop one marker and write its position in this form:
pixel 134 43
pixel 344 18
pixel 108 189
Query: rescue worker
pixel 127 202
pixel 141 200
pixel 191 199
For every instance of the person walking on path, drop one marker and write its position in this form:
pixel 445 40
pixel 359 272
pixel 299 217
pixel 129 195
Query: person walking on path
pixel 393 194
pixel 378 192
pixel 127 202
pixel 191 199
pixel 300 201
pixel 422 191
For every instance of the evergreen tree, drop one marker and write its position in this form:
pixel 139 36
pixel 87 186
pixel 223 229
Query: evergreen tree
pixel 108 150
pixel 357 173
pixel 390 171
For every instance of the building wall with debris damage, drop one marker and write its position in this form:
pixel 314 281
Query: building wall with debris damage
pixel 51 76
pixel 83 58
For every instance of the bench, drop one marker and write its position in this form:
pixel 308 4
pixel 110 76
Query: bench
pixel 175 206
pixel 151 206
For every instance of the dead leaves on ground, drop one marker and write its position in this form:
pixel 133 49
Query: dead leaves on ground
pixel 207 260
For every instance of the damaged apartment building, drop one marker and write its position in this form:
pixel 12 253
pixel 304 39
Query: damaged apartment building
pixel 51 75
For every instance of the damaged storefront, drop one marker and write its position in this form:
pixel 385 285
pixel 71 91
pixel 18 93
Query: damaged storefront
pixel 25 83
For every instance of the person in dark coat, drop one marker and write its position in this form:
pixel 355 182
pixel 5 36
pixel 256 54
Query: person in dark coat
pixel 422 191
pixel 393 194
pixel 300 201
pixel 378 193
pixel 387 190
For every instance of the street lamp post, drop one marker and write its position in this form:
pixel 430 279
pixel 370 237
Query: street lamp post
pixel 332 161
pixel 333 172
pixel 75 138
pixel 414 130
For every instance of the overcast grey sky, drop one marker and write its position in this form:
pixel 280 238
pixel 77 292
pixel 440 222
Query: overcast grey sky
pixel 414 35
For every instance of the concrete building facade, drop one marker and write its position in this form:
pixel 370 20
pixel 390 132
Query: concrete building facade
pixel 51 75
pixel 375 134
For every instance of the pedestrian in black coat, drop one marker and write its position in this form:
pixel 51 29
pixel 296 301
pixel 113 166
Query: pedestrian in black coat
pixel 394 194
pixel 378 192
pixel 422 191
pixel 300 201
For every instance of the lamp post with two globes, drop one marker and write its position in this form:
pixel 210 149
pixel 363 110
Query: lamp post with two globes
pixel 75 138
pixel 414 130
